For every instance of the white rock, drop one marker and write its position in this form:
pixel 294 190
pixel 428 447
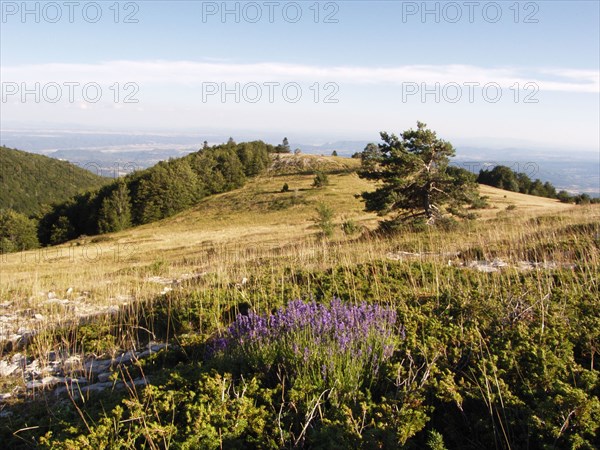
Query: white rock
pixel 155 347
pixel 72 363
pixel 78 381
pixel 51 381
pixel 20 359
pixel 33 365
pixel 35 384
pixel 98 387
pixel 96 366
pixel 126 357
pixel 103 377
pixel 8 369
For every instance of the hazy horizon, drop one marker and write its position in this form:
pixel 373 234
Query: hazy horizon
pixel 482 72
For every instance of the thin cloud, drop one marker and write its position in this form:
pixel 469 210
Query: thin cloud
pixel 191 73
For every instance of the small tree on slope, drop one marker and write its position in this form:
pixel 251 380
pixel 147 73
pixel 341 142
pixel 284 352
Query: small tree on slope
pixel 415 178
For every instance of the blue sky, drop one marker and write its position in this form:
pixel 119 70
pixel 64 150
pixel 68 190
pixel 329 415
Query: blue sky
pixel 377 59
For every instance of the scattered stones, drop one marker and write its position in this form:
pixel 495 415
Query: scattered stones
pixel 495 265
pixel 174 283
pixel 32 366
pixel 152 347
pixel 487 266
pixel 96 366
pixel 530 265
pixel 63 373
pixel 401 255
pixel 126 357
pixel 8 369
pixel 72 363
pixel 98 387
pixel 155 347
pixel 17 327
pixel 56 301
pixel 19 359
pixel 44 383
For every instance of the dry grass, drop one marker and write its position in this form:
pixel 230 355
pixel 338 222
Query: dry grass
pixel 499 200
pixel 234 235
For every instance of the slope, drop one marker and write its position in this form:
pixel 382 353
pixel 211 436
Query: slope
pixel 29 181
pixel 224 231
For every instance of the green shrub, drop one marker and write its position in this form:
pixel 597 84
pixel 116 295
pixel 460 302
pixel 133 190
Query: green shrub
pixel 350 227
pixel 321 179
pixel 324 219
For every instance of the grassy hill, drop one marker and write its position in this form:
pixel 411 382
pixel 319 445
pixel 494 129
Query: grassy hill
pixel 496 340
pixel 256 218
pixel 29 181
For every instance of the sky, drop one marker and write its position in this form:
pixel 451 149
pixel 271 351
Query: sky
pixel 479 73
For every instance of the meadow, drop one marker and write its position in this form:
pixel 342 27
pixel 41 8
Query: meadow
pixel 482 334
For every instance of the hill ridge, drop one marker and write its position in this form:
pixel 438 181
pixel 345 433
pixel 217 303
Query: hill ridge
pixel 29 181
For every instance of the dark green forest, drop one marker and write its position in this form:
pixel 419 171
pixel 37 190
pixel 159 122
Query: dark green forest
pixel 30 182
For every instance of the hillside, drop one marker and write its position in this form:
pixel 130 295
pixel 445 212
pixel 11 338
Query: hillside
pixel 130 323
pixel 250 220
pixel 149 195
pixel 29 181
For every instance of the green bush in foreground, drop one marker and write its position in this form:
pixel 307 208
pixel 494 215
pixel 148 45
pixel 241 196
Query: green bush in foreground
pixel 499 360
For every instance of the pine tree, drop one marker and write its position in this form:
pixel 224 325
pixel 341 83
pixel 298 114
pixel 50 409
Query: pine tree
pixel 413 169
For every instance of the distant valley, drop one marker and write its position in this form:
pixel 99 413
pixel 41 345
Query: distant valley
pixel 116 154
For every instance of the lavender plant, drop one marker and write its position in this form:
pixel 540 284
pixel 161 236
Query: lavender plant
pixel 339 345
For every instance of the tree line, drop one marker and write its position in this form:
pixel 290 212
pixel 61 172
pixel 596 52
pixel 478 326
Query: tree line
pixel 504 177
pixel 141 197
pixel 155 193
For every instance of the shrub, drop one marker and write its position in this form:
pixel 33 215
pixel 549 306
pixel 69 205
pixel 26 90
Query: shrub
pixel 285 188
pixel 340 345
pixel 480 202
pixel 325 219
pixel 321 179
pixel 350 227
pixel 565 197
pixel 17 232
pixel 446 223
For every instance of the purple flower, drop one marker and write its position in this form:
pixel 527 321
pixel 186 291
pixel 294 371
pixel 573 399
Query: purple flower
pixel 315 338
